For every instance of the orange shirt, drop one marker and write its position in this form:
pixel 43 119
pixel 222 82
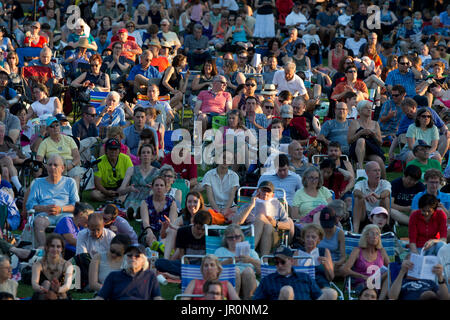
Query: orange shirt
pixel 126 50
pixel 161 63
pixel 359 85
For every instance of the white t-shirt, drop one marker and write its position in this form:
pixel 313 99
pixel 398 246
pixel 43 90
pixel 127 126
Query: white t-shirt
pixel 294 86
pixel 351 44
pixel 221 188
pixel 294 18
pixel 310 38
pixel 41 109
pixel 344 19
pixel 229 4
pixel 363 186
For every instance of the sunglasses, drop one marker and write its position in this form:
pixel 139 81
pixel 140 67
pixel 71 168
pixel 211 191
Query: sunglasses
pixel 222 82
pixel 91 114
pixel 233 237
pixel 426 117
pixel 268 107
pixel 403 63
pixel 279 261
pixel 130 255
pixel 53 126
pixel 351 71
pixel 396 95
pixel 250 85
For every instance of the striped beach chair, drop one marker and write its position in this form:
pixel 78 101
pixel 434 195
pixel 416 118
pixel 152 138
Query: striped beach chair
pixel 214 242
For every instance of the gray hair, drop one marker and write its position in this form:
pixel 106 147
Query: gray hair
pixel 232 228
pixel 310 170
pixel 290 65
pixel 3 258
pixel 56 156
pixel 166 167
pixel 113 93
pixel 361 105
pixel 340 208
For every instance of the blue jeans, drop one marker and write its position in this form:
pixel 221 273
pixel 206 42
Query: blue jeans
pixel 433 251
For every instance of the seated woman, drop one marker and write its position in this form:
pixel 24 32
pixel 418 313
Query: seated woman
pixel 138 178
pixel 335 179
pixel 110 115
pixel 364 138
pixel 370 252
pixel 233 76
pixel 104 262
pixel 247 265
pixel 312 235
pixel 117 224
pixel 52 275
pixel 427 227
pixel 204 80
pixel 94 79
pixel 173 83
pixel 424 129
pixel 169 174
pixel 43 104
pixel 351 83
pixel 7 284
pixel 312 195
pixel 155 209
pixel 79 55
pixel 151 116
pixel 68 227
pixel 239 33
pixel 211 270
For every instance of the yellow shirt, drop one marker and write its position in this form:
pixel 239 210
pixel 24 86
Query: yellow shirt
pixel 105 171
pixel 63 148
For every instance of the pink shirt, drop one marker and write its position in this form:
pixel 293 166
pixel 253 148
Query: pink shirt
pixel 212 102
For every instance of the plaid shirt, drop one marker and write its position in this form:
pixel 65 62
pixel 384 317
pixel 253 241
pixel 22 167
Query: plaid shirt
pixel 390 126
pixel 407 80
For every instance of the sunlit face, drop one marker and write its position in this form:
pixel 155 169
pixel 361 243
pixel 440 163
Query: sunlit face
pixel 146 154
pixel 289 73
pixel 208 68
pixel 39 94
pixel 424 119
pixel 373 237
pixel 55 167
pixel 210 270
pixel 112 101
pixel 193 204
pixel 96 229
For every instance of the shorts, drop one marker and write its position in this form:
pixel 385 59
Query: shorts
pixel 54 219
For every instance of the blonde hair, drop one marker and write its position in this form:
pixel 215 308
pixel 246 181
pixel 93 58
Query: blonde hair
pixel 212 258
pixel 363 240
pixel 232 228
pixel 112 132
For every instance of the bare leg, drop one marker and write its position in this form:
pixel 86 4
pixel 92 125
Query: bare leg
pixel 266 239
pixel 358 213
pixel 443 145
pixel 360 151
pixel 248 283
pixel 169 243
pixel 286 293
pixel 400 217
pixel 328 294
pixel 40 224
pixel 238 280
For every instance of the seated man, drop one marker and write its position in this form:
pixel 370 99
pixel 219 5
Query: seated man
pixel 166 114
pixel 190 240
pixel 422 159
pixel 368 194
pixel 213 102
pixel 86 132
pixel 45 60
pixel 433 182
pixel 11 122
pixel 287 284
pixel 335 130
pixel 344 167
pixel 143 73
pixel 283 178
pixel 110 172
pixel 52 198
pixel 297 160
pixel 65 146
pixel 13 155
pixel 403 191
pixel 95 238
pixel 408 288
pixel 196 47
pixel 391 111
pixel 268 216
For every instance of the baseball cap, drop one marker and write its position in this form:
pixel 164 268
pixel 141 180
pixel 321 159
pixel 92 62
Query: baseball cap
pixel 123 30
pixel 61 117
pixel 268 185
pixel 112 143
pixel 327 218
pixel 286 111
pixel 378 210
pixel 420 143
pixel 301 41
pixel 50 120
pixel 284 252
pixel 139 247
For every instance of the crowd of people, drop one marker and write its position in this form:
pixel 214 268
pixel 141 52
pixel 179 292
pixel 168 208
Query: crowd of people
pixel 308 104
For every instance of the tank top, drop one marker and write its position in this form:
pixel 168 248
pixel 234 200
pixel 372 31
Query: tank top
pixel 300 64
pixel 265 9
pixel 154 216
pixel 335 59
pixel 104 267
pixel 174 82
pixel 361 265
pixel 41 109
pixel 142 21
pixel 208 31
pixel 332 244
pixel 220 30
pixel 385 17
pixel 156 17
pixel 98 80
pixel 202 79
pixel 239 36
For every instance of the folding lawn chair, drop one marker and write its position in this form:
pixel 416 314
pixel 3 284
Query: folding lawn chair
pixel 307 266
pixel 444 256
pixel 26 53
pixel 190 272
pixel 185 295
pixel 214 242
pixel 183 185
pixel 352 241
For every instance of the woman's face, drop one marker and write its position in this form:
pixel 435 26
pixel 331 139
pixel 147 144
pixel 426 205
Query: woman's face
pixel 106 23
pixel 424 50
pixel 38 94
pixel 279 128
pixel 380 220
pixel 368 294
pixel 208 68
pixel 373 237
pixel 427 211
pixel 210 270
pixel 275 46
pixel 55 248
pixel 233 120
pixel 117 250
pixel 327 172
pixel 83 219
pixel 232 239
pixel 169 176
pixel 159 187
pixel 268 109
pixel 193 204
pixel 146 154
pixel 394 63
pixel 312 239
pixel 95 66
pixel 22 117
pixel 312 179
pixel 425 119
pixel 339 46
pixel 438 70
pixel 112 101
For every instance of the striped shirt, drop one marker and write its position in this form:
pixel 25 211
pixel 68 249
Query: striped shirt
pixel 407 80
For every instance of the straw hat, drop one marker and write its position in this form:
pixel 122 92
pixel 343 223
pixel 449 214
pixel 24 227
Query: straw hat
pixel 269 89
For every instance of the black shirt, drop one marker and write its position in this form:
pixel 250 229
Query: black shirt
pixel 403 196
pixel 79 130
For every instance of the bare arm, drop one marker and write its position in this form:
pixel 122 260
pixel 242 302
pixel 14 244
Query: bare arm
pixel 94 284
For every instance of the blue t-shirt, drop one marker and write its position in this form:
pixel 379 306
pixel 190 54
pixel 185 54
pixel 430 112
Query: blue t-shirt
pixel 405 122
pixel 443 198
pixel 412 289
pixel 150 73
pixel 12 93
pixel 146 286
pixel 336 131
pixel 66 225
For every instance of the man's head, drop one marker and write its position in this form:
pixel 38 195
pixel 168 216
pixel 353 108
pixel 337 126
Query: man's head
pixel 433 179
pixel 89 114
pixel 289 71
pixel 219 83
pixel 242 57
pixel 55 167
pixel 112 150
pixel 286 112
pixel 398 93
pixel 411 175
pixel 373 171
pixel 372 38
pixel 403 64
pixel 45 55
pixel 5 268
pixel 139 118
pixel 198 30
pixel 2 132
pixel 284 260
pixel 334 150
pixel 341 111
pixel 146 58
pixel 213 290
pixel 153 92
pixel 282 165
pixel 250 104
pixel 4 78
pixel 201 218
pixel 327 167
pixel 165 25
pixel 266 190
pixel 421 150
pixel 136 259
pixel 409 107
pixel 295 150
pixel 298 105
pixel 123 35
pixel 95 225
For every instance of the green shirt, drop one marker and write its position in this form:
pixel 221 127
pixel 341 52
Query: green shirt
pixel 431 164
pixel 105 171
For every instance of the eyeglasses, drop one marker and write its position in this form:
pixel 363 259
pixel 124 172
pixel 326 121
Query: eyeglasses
pixel 164 25
pixel 313 178
pixel 53 126
pixel 425 116
pixel 169 176
pixel 91 114
pixel 250 84
pixel 130 255
pixel 117 253
pixel 130 26
pixel 7 268
pixel 403 63
pixel 95 65
pixel 268 107
pixel 279 261
pixel 236 237
pixel 396 95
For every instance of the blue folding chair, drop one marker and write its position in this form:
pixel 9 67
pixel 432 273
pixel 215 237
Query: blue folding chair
pixel 306 267
pixel 191 272
pixel 214 242
pixel 27 52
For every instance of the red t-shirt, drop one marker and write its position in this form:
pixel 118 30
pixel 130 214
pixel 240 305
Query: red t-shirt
pixel 212 102
pixel 161 63
pixel 421 231
pixel 42 41
pixel 337 183
pixel 187 171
